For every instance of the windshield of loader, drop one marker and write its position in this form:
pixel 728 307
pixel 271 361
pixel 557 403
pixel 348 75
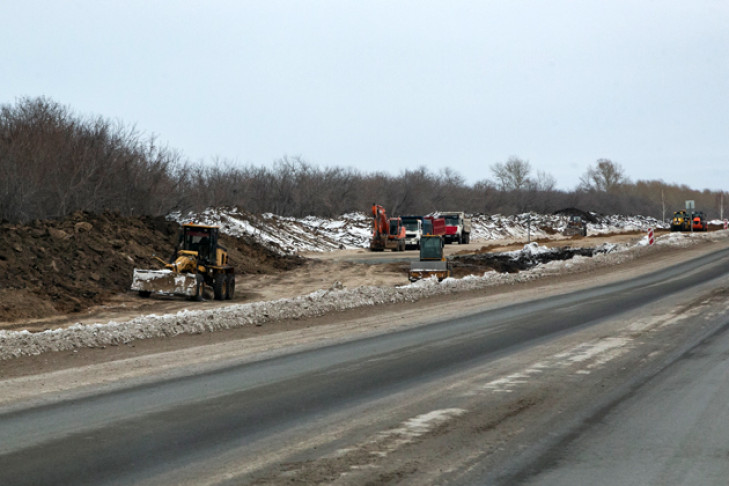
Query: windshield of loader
pixel 197 239
pixel 431 248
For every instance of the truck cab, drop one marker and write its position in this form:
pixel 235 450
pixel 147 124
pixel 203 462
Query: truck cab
pixel 413 231
pixel 458 227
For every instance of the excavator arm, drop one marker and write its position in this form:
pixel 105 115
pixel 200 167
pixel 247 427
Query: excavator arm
pixel 381 223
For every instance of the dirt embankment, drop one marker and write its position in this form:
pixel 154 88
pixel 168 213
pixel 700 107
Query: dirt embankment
pixel 66 266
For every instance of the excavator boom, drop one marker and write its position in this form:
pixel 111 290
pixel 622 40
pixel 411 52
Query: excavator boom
pixel 386 233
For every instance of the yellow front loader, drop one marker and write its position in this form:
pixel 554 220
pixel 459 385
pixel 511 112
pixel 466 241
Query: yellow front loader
pixel 199 262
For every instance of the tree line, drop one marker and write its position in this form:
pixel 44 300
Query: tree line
pixel 54 162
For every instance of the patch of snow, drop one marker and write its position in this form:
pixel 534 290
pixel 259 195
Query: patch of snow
pixel 599 352
pixel 391 440
pixel 286 235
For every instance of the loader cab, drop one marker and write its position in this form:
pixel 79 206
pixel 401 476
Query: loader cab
pixel 200 238
pixel 431 248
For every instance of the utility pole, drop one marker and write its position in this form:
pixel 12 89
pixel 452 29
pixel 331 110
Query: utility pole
pixel 721 211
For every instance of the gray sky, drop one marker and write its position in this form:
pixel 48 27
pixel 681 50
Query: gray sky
pixel 391 85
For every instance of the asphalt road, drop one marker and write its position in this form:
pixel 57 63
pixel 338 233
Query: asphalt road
pixel 672 431
pixel 176 429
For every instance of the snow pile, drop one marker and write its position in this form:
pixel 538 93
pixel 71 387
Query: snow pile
pixel 531 249
pixel 287 235
pixel 497 226
pixel 336 298
pixel 618 223
pixel 680 239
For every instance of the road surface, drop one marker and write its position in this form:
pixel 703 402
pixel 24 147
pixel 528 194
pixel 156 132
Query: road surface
pixel 496 393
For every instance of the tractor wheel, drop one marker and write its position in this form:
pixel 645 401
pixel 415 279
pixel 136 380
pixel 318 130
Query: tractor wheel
pixel 220 286
pixel 144 293
pixel 230 289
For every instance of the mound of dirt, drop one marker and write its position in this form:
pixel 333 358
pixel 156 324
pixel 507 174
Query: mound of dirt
pixel 515 262
pixel 63 266
pixel 590 218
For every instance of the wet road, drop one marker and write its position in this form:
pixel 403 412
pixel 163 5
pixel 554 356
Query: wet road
pixel 671 431
pixel 146 433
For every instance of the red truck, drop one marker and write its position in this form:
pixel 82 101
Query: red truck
pixel 458 226
pixel 434 226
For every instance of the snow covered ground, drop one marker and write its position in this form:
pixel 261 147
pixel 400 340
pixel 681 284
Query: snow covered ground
pixel 353 230
pixel 336 298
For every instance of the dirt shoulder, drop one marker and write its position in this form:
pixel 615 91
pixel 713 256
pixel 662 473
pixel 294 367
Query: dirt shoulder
pixel 213 349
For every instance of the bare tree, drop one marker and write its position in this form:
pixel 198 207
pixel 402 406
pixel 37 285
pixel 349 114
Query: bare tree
pixel 513 175
pixel 604 176
pixel 545 182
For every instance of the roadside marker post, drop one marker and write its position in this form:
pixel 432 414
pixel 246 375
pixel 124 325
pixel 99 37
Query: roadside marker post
pixel 651 237
pixel 726 224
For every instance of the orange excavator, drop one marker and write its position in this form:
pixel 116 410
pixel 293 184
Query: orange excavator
pixel 387 233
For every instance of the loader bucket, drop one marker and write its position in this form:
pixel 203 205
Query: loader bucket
pixel 425 269
pixel 165 282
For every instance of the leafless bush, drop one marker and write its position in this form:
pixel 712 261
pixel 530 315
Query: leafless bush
pixel 53 162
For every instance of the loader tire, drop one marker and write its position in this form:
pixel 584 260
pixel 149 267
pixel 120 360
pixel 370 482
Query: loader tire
pixel 220 286
pixel 230 289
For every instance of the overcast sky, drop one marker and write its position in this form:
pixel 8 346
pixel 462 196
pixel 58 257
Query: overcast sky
pixel 391 85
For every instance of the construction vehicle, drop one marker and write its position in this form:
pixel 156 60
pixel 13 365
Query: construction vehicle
pixel 575 226
pixel 699 222
pixel 432 261
pixel 199 262
pixel 413 230
pixel 681 221
pixel 458 226
pixel 434 226
pixel 388 233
